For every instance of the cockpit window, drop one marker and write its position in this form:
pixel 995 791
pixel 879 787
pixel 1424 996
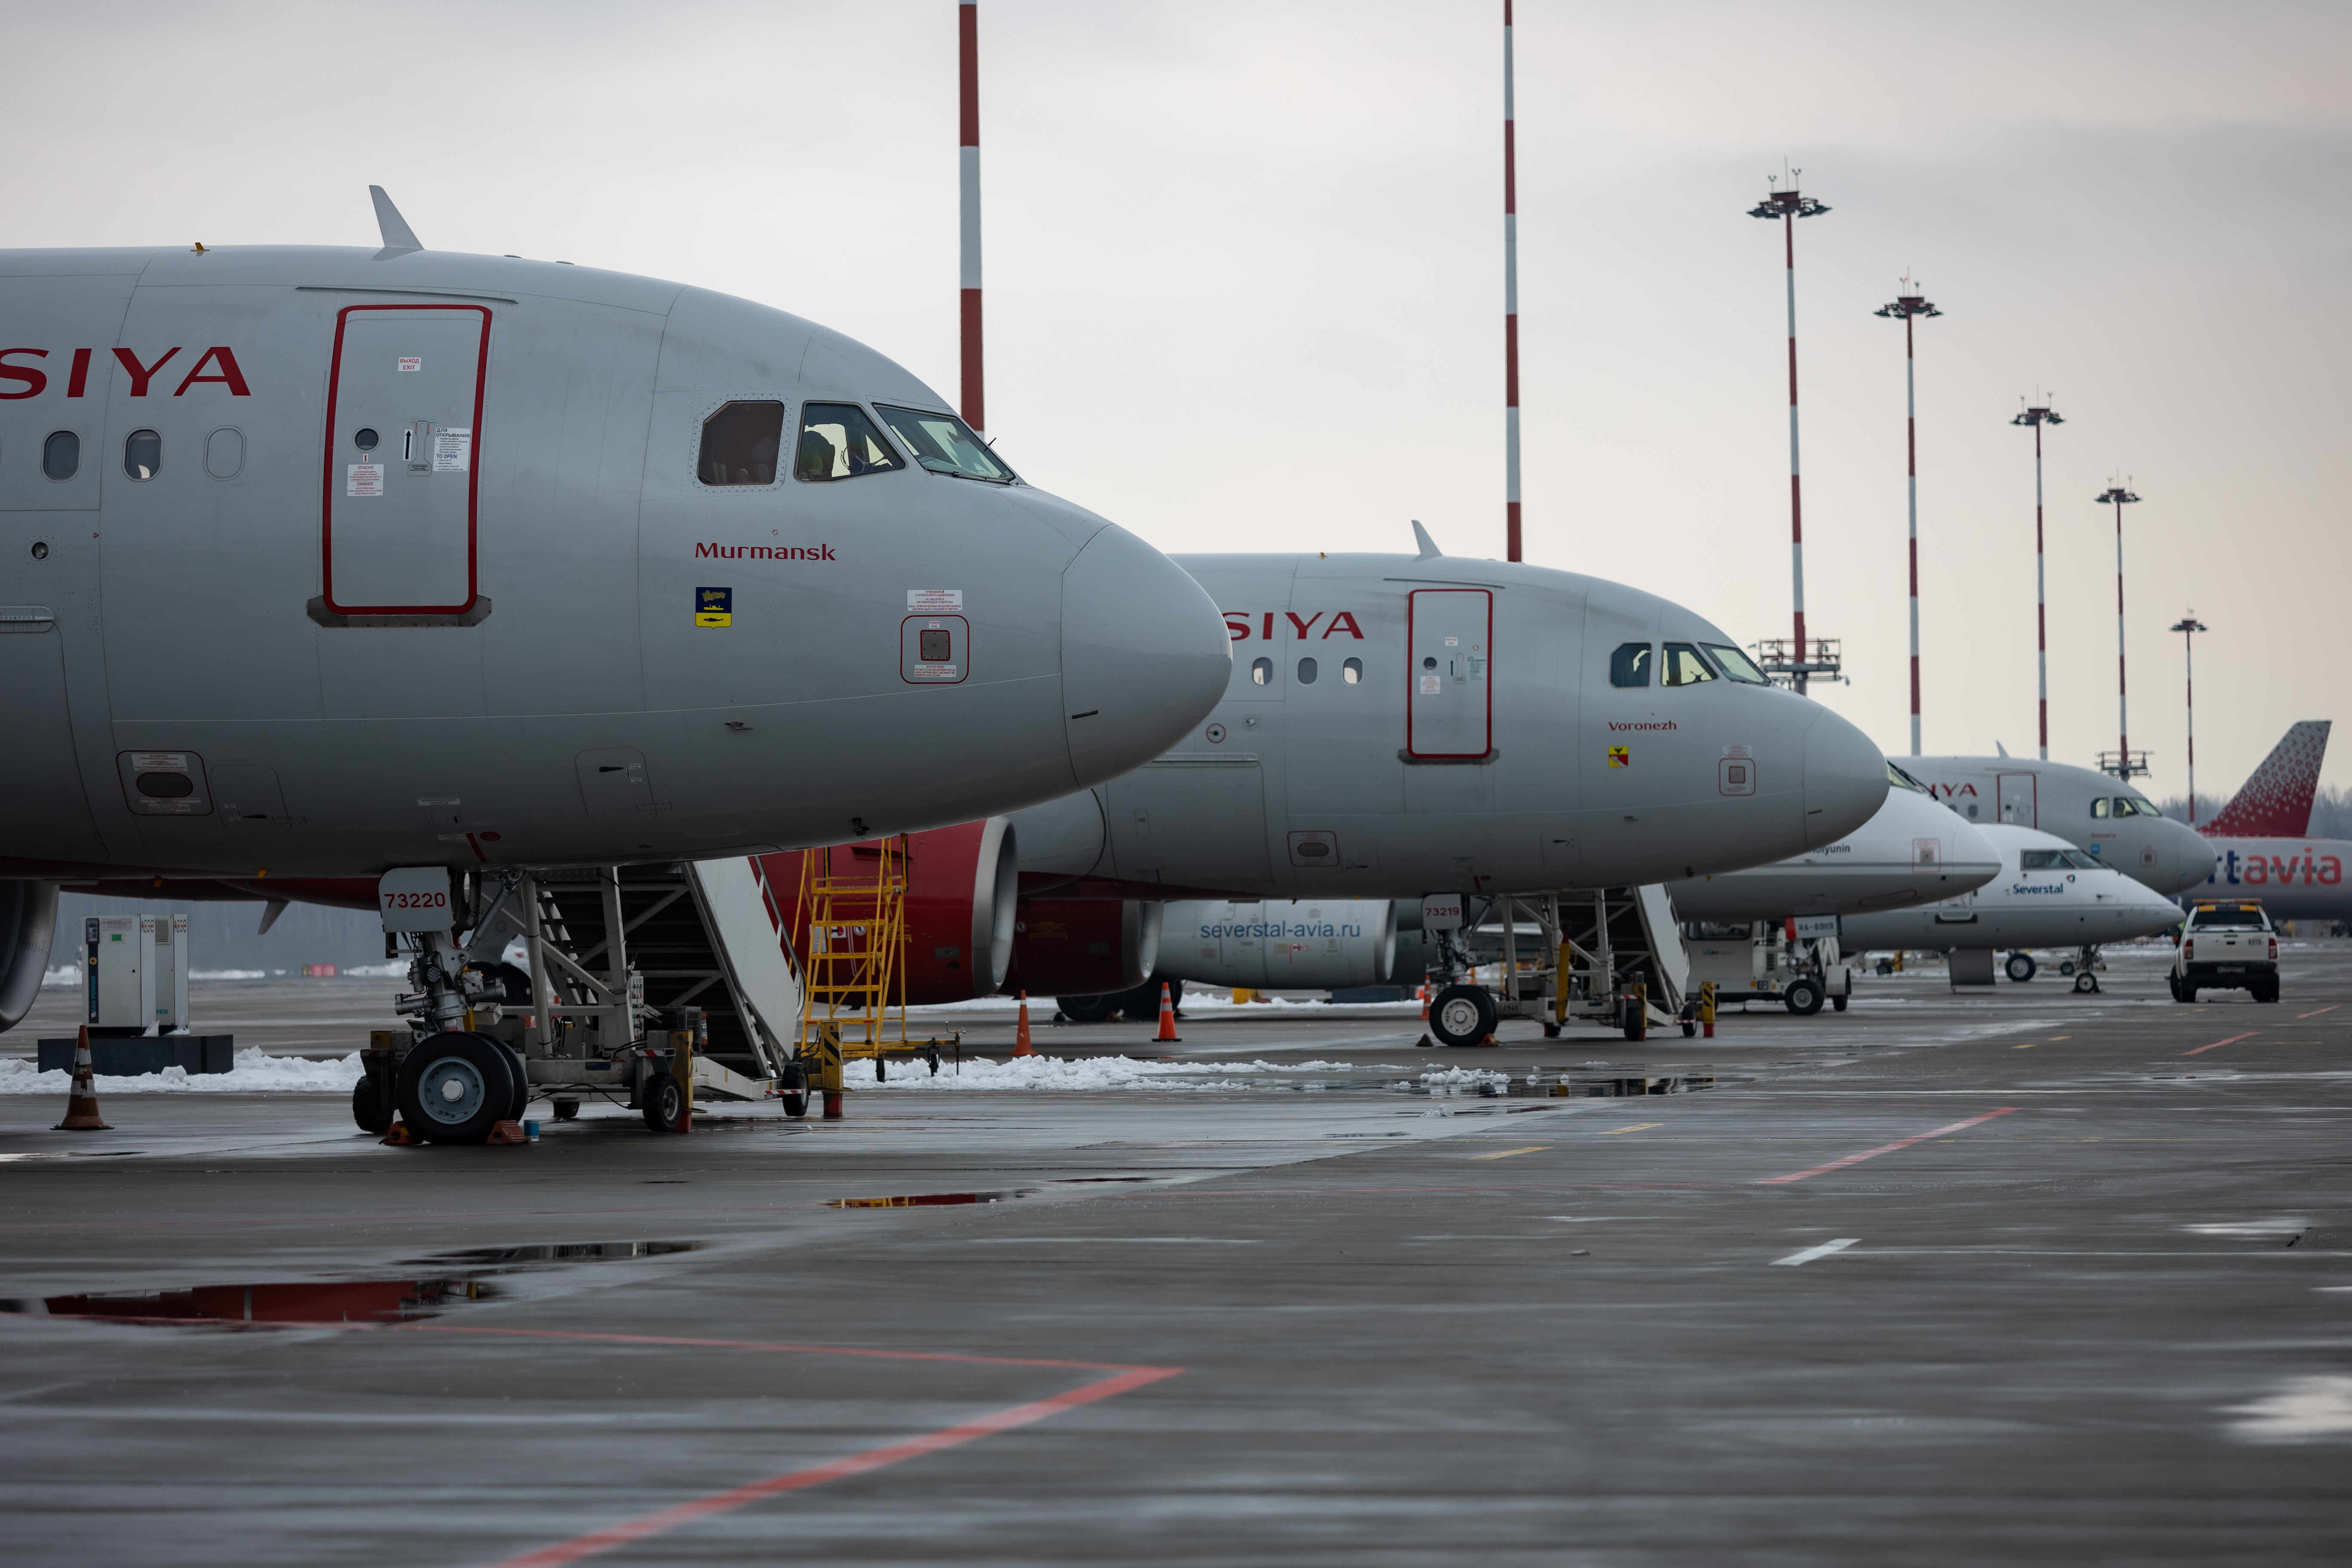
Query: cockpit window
pixel 1737 665
pixel 2133 805
pixel 1902 780
pixel 2056 861
pixel 739 443
pixel 2080 861
pixel 1683 666
pixel 838 442
pixel 945 444
pixel 1630 665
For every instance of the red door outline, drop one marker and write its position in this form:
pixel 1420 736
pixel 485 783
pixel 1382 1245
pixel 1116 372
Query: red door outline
pixel 327 479
pixel 1411 643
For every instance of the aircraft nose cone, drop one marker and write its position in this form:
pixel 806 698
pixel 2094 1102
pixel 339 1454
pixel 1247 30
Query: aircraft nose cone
pixel 2184 857
pixel 1145 656
pixel 1845 780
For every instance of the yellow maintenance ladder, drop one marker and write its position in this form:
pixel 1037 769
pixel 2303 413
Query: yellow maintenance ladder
pixel 854 975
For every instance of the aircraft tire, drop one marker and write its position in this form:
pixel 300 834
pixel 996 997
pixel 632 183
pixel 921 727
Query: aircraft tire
pixel 453 1087
pixel 1463 1016
pixel 521 1076
pixel 665 1107
pixel 2085 982
pixel 369 1107
pixel 2021 967
pixel 1088 1009
pixel 1805 996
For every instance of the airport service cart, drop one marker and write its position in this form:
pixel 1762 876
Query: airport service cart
pixel 1610 958
pixel 1795 963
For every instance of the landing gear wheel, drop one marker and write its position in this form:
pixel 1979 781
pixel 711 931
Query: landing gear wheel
pixel 664 1104
pixel 565 1109
pixel 1838 1002
pixel 453 1087
pixel 1805 996
pixel 369 1107
pixel 2085 983
pixel 1088 1009
pixel 521 1100
pixel 2021 967
pixel 1463 1016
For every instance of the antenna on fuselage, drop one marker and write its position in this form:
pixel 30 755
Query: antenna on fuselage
pixel 1429 550
pixel 399 239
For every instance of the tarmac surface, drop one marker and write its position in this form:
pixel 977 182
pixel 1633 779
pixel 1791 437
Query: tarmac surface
pixel 2028 1276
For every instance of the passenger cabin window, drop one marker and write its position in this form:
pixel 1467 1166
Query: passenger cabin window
pixel 1683 666
pixel 740 444
pixel 1352 673
pixel 1262 672
pixel 838 442
pixel 1306 672
pixel 1737 665
pixel 1630 665
pixel 944 444
pixel 142 454
pixel 61 455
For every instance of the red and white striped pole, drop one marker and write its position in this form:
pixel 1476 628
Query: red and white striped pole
pixel 1909 305
pixel 1788 206
pixel 1512 543
pixel 975 410
pixel 2038 417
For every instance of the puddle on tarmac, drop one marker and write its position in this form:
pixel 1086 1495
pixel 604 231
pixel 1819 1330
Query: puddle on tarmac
pixel 929 1200
pixel 340 1300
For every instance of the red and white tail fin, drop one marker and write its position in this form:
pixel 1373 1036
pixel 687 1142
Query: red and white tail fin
pixel 2276 802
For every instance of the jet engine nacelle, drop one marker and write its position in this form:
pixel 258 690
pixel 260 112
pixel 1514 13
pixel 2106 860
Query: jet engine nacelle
pixel 28 919
pixel 1084 947
pixel 962 887
pixel 1309 944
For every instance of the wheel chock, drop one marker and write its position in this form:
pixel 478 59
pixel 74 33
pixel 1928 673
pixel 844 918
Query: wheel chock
pixel 1424 1040
pixel 1489 1040
pixel 506 1132
pixel 400 1136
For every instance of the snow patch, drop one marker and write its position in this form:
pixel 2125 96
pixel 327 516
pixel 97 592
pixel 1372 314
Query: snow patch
pixel 255 1073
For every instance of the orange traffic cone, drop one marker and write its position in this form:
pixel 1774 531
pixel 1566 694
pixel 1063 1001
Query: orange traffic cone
pixel 1424 999
pixel 1021 1047
pixel 1167 1036
pixel 81 1100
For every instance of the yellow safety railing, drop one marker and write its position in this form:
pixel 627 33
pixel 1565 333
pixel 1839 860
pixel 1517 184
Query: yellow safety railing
pixel 854 975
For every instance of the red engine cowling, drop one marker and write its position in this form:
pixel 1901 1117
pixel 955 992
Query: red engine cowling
pixel 962 885
pixel 1084 947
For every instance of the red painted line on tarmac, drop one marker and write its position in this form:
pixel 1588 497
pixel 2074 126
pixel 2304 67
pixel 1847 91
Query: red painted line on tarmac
pixel 2232 1040
pixel 1885 1149
pixel 611 1537
pixel 2299 1017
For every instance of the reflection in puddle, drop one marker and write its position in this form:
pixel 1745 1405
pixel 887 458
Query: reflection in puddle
pixel 928 1200
pixel 342 1301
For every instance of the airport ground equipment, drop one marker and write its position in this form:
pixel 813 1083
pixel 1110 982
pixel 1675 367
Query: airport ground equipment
pixel 1795 963
pixel 135 974
pixel 852 907
pixel 635 977
pixel 2226 945
pixel 1608 957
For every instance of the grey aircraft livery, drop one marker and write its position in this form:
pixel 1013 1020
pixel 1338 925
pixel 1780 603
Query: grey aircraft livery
pixel 324 562
pixel 2094 812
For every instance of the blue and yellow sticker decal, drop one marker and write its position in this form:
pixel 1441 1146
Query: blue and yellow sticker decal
pixel 714 606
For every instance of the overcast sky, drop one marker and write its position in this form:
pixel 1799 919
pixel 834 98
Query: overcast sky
pixel 1244 275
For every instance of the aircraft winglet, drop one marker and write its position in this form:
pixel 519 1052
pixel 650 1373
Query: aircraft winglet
pixel 398 237
pixel 1429 550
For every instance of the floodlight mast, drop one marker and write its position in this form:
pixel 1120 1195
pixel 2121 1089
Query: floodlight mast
pixel 2188 625
pixel 2126 763
pixel 2038 417
pixel 1909 306
pixel 1512 545
pixel 1804 659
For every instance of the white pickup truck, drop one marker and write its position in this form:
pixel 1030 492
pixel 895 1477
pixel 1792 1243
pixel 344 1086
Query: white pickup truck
pixel 2227 945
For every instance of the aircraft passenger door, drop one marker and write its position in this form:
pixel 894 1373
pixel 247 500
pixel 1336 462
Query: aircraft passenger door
pixel 1449 705
pixel 403 417
pixel 2017 800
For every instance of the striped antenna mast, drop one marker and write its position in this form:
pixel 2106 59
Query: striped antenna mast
pixel 1512 541
pixel 975 408
pixel 2038 415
